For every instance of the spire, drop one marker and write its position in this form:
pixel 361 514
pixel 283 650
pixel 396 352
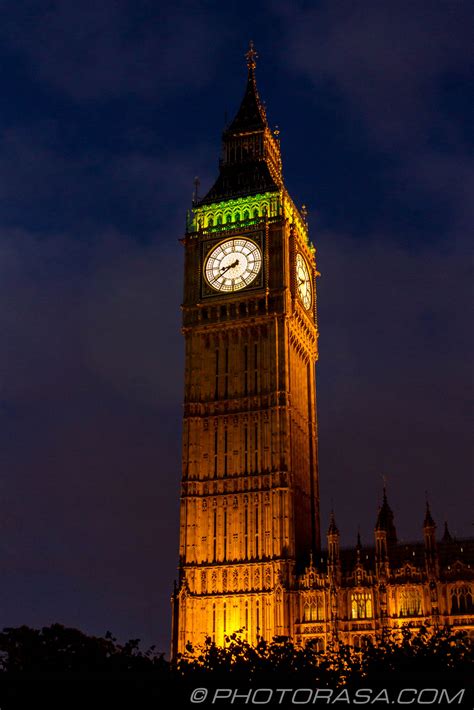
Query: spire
pixel 332 530
pixel 428 522
pixel 446 535
pixel 251 115
pixel 251 158
pixel 358 548
pixel 385 519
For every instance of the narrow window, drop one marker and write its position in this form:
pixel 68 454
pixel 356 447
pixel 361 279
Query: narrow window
pixel 246 370
pixel 215 453
pixel 216 392
pixel 214 536
pixel 256 530
pixel 225 535
pixel 213 622
pixel 226 374
pixel 246 536
pixel 225 451
pixel 258 619
pixel 256 447
pixel 255 357
pixel 246 449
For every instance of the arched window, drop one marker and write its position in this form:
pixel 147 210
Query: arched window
pixel 461 600
pixel 410 602
pixel 219 219
pixel 255 212
pixel 246 215
pixel 228 217
pixel 361 605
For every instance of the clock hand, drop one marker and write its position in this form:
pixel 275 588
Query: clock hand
pixel 231 266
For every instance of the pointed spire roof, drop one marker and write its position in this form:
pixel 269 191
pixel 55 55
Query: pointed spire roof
pixel 428 522
pixel 251 159
pixel 446 535
pixel 251 115
pixel 385 519
pixel 332 530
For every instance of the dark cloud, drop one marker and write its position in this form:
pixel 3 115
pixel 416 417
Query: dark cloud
pixel 43 186
pixel 95 51
pixel 388 58
pixel 86 361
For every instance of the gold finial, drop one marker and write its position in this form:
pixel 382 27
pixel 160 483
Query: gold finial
pixel 251 56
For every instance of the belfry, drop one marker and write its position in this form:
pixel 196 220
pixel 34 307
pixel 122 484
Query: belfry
pixel 250 557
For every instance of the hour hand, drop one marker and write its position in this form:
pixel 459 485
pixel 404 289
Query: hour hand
pixel 231 266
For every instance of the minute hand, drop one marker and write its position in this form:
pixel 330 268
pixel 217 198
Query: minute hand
pixel 231 266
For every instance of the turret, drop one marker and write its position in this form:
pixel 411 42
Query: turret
pixel 446 535
pixel 334 562
pixel 385 536
pixel 429 531
pixel 429 534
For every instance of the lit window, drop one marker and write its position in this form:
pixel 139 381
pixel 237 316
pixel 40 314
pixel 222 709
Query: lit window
pixel 361 605
pixel 410 602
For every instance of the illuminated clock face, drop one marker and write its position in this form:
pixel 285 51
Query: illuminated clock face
pixel 233 264
pixel 303 282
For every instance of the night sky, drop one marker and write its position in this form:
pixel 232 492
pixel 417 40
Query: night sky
pixel 108 111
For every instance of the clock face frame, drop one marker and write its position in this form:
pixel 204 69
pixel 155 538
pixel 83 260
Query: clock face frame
pixel 232 265
pixel 303 282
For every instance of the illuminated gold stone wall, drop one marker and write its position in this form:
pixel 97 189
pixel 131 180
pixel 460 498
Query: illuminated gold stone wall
pixel 249 498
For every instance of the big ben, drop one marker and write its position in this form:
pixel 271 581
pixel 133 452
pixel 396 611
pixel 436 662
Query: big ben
pixel 249 509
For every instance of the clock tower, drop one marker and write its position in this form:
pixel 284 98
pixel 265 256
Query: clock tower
pixel 249 511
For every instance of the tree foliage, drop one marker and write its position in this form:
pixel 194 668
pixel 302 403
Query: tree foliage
pixel 65 668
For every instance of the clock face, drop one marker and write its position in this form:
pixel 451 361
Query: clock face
pixel 303 282
pixel 233 264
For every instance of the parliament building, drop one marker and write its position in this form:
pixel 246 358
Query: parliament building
pixel 251 558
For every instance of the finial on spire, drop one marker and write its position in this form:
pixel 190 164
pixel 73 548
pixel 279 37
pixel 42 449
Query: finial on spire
pixel 251 57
